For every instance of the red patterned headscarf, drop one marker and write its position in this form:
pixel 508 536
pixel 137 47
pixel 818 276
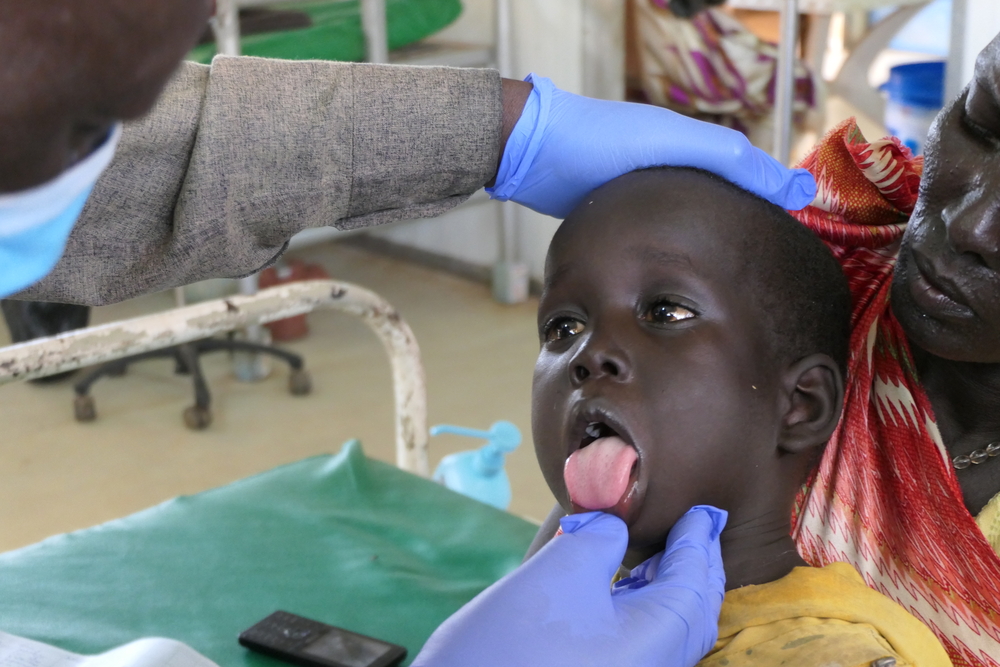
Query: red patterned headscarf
pixel 885 497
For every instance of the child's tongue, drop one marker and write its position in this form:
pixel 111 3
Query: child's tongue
pixel 597 476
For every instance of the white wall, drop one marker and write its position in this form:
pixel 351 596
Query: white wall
pixel 974 24
pixel 547 41
pixel 476 25
pixel 580 45
pixel 468 232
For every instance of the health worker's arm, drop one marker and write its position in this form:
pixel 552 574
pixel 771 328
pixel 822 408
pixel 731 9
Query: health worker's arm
pixel 238 156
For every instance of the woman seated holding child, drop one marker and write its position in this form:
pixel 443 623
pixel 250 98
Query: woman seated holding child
pixel 908 490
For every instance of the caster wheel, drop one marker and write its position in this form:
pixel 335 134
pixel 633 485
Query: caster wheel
pixel 197 418
pixel 300 382
pixel 83 408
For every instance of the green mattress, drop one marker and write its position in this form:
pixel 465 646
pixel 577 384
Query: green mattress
pixel 335 33
pixel 343 539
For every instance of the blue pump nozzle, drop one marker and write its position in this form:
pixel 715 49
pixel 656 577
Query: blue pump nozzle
pixel 479 473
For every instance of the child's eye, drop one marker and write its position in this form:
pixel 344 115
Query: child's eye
pixel 667 312
pixel 561 328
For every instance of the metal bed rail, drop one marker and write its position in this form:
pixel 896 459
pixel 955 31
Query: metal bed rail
pixel 107 342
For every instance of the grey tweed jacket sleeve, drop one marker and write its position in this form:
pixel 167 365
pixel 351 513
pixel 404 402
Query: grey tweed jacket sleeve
pixel 238 156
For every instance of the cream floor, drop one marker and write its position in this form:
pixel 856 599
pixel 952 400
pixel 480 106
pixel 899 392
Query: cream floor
pixel 58 475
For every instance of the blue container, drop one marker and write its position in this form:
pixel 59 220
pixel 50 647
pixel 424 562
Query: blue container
pixel 916 95
pixel 479 473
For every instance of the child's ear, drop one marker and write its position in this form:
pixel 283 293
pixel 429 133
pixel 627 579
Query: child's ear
pixel 814 388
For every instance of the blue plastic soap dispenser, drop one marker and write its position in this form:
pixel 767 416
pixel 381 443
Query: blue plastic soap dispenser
pixel 479 473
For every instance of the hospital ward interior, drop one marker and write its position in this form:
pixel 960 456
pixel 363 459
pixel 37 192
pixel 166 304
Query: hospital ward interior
pixel 347 434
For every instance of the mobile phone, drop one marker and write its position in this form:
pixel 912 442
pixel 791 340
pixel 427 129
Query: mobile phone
pixel 302 641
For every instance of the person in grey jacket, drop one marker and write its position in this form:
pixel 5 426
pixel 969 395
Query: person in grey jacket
pixel 237 156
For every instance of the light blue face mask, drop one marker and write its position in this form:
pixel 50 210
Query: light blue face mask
pixel 35 223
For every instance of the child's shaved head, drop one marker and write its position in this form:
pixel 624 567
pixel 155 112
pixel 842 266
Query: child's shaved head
pixel 781 266
pixel 793 278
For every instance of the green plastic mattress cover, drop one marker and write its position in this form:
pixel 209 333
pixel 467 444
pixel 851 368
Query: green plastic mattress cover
pixel 342 539
pixel 335 33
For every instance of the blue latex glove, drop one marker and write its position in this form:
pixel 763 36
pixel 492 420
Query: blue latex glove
pixel 559 608
pixel 565 145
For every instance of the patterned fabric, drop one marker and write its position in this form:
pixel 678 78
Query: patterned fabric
pixel 885 498
pixel 711 66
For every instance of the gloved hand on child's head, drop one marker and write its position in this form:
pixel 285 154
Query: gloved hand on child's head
pixel 559 609
pixel 566 145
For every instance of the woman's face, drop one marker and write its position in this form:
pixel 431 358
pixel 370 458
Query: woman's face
pixel 946 289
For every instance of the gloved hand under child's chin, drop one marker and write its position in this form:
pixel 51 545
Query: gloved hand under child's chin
pixel 558 608
pixel 565 145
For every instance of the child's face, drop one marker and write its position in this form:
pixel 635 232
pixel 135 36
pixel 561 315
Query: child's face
pixel 648 334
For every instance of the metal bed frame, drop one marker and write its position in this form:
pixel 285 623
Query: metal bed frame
pixel 108 342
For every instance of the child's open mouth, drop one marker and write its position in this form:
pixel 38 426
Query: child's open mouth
pixel 602 473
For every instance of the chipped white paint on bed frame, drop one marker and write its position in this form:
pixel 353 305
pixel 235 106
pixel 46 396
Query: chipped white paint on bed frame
pixel 95 345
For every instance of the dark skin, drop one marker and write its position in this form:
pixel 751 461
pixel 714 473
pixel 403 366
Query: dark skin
pixel 946 288
pixel 654 337
pixel 69 70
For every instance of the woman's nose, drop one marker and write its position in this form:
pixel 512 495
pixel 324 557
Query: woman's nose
pixel 973 226
pixel 599 359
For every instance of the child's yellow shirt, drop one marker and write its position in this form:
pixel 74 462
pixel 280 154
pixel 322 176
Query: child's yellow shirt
pixel 820 617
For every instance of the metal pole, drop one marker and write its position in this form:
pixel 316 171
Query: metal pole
pixel 251 366
pixel 955 70
pixel 247 366
pixel 505 63
pixel 505 55
pixel 226 26
pixel 373 23
pixel 784 89
pixel 510 276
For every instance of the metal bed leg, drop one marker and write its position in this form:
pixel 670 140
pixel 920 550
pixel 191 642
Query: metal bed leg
pixel 199 415
pixel 299 380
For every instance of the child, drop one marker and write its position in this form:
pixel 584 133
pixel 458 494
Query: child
pixel 693 345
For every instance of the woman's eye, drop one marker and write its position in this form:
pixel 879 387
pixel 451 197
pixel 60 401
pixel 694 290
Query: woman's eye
pixel 562 328
pixel 666 312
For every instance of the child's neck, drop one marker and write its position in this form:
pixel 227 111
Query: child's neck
pixel 759 550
